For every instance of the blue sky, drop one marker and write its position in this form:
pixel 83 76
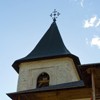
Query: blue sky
pixel 24 22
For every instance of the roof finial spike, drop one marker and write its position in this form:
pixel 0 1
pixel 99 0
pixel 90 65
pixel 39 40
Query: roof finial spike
pixel 54 15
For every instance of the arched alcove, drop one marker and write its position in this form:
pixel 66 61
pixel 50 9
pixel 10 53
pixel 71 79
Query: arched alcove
pixel 43 80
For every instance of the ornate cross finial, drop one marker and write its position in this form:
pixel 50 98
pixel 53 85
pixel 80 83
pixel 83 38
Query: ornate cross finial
pixel 54 15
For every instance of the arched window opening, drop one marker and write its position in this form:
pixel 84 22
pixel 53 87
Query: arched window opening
pixel 43 80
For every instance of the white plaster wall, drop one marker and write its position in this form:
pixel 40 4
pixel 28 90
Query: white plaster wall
pixel 60 70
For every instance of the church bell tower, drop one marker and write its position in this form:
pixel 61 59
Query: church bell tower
pixel 50 63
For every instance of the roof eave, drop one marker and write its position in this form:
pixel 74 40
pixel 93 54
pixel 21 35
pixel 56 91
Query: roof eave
pixel 64 86
pixel 18 62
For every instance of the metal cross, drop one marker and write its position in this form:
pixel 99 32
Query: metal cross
pixel 54 15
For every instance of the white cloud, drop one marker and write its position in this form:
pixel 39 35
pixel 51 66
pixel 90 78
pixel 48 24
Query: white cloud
pixel 98 23
pixel 95 41
pixel 92 22
pixel 81 2
pixel 87 24
pixel 93 19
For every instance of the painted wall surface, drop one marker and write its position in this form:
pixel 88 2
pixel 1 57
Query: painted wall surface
pixel 60 70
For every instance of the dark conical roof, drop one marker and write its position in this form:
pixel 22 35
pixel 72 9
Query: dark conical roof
pixel 50 46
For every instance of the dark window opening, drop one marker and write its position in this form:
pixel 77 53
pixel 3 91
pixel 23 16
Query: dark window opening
pixel 43 80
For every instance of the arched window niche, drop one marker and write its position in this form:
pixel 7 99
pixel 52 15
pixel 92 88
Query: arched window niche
pixel 43 80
